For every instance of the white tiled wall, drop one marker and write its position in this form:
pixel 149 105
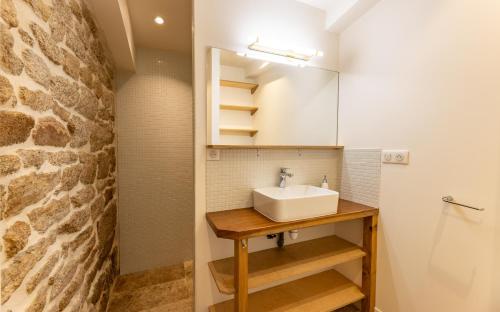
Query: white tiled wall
pixel 361 176
pixel 155 163
pixel 230 180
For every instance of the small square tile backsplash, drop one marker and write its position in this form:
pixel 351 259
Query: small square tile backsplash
pixel 230 180
pixel 361 176
pixel 355 173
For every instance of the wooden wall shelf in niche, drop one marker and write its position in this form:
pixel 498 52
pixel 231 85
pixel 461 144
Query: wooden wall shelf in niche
pixel 300 147
pixel 238 131
pixel 244 108
pixel 238 84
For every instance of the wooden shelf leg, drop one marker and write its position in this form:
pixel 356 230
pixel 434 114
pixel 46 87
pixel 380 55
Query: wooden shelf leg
pixel 370 227
pixel 241 275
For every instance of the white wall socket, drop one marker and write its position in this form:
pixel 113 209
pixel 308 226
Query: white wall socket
pixel 401 157
pixel 213 154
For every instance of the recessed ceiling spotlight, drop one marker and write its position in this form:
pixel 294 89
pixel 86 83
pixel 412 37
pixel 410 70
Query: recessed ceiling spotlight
pixel 159 20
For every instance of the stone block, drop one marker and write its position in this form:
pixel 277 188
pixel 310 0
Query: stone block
pixel 76 221
pixel 16 238
pixel 9 164
pixel 14 273
pixel 32 158
pixel 48 131
pixel 9 61
pixel 28 190
pixel 44 217
pixel 36 68
pixel 36 100
pixel 15 127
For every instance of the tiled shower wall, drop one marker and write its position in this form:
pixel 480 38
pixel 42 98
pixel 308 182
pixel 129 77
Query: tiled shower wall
pixel 230 180
pixel 155 161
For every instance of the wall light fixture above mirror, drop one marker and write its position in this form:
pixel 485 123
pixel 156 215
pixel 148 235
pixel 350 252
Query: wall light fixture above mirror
pixel 294 53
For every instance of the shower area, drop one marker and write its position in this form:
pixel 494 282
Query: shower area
pixel 155 183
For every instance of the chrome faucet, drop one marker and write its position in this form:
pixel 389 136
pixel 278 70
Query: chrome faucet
pixel 283 175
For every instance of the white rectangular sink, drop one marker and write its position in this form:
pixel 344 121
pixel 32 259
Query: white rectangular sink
pixel 295 202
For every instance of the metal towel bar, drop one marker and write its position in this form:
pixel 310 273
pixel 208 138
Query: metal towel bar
pixel 449 199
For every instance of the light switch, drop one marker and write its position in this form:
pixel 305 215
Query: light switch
pixel 401 157
pixel 213 154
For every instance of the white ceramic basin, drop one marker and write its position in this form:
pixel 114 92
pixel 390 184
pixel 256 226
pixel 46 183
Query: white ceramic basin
pixel 295 202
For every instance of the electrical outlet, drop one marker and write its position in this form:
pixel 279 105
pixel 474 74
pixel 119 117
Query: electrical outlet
pixel 213 154
pixel 401 157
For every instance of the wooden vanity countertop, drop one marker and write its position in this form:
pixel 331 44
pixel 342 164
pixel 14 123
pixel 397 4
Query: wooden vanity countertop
pixel 237 224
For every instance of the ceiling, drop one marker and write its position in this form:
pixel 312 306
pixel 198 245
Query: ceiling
pixel 128 24
pixel 320 4
pixel 339 14
pixel 174 35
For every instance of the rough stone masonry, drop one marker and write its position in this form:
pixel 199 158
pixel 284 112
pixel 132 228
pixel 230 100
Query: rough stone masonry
pixel 58 201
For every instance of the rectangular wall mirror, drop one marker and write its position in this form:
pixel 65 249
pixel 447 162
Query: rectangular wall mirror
pixel 254 102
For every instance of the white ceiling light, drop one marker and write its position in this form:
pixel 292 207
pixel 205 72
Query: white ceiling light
pixel 298 54
pixel 159 20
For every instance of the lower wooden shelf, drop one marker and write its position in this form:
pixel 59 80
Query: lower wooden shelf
pixel 321 292
pixel 238 131
pixel 271 265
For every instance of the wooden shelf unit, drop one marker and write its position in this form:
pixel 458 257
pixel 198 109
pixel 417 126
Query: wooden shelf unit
pixel 325 291
pixel 321 292
pixel 301 147
pixel 244 108
pixel 271 265
pixel 238 131
pixel 241 85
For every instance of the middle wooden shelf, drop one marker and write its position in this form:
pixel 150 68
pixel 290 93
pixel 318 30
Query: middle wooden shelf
pixel 244 108
pixel 271 265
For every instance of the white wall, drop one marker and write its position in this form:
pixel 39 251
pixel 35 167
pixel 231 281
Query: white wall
pixel 495 289
pixel 155 161
pixel 228 24
pixel 425 75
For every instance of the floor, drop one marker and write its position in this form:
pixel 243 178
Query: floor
pixel 168 289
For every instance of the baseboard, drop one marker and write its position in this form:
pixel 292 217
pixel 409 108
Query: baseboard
pixel 377 310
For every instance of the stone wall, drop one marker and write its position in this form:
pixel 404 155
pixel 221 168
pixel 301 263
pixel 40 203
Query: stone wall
pixel 58 207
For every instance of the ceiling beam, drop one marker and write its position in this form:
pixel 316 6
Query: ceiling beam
pixel 113 18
